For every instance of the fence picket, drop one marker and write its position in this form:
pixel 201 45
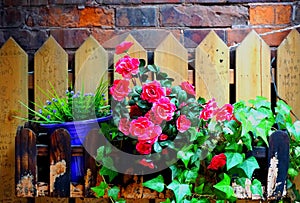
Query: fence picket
pixel 50 68
pixel 212 69
pixel 172 58
pixel 252 68
pixel 288 70
pixel 14 88
pixel 91 64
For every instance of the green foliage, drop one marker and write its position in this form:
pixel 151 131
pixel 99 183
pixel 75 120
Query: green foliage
pixel 155 183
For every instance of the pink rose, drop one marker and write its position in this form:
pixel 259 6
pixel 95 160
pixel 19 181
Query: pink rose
pixel 141 127
pixel 183 123
pixel 154 133
pixel 209 110
pixel 163 109
pixel 189 88
pixel 143 147
pixel 127 66
pixel 225 113
pixel 124 125
pixel 218 161
pixel 152 91
pixel 123 47
pixel 168 91
pixel 151 116
pixel 146 163
pixel 120 89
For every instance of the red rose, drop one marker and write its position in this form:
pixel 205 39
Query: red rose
pixel 124 125
pixel 146 163
pixel 152 92
pixel 189 88
pixel 127 66
pixel 163 109
pixel 209 110
pixel 168 91
pixel 141 127
pixel 225 113
pixel 120 89
pixel 163 137
pixel 183 123
pixel 143 147
pixel 135 111
pixel 123 47
pixel 218 161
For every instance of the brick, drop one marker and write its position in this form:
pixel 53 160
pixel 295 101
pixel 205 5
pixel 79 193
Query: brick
pixel 109 38
pixel 274 39
pixel 262 14
pixel 203 16
pixel 162 1
pixel 296 19
pixel 70 38
pixel 124 2
pixel 235 36
pixel 15 2
pixel 82 2
pixel 193 37
pixel 53 17
pixel 283 14
pixel 136 16
pixel 96 17
pixel 205 1
pixel 11 17
pixel 38 2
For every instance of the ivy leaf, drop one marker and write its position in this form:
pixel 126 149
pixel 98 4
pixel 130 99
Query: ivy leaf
pixel 248 166
pixel 100 189
pixel 247 140
pixel 191 175
pixel 179 190
pixel 155 183
pixel 110 173
pixel 114 192
pixel 185 156
pixel 233 159
pixel 199 189
pixel 297 131
pixel 259 102
pixel 157 147
pixel 120 201
pixel 256 187
pixel 224 186
pixel 175 171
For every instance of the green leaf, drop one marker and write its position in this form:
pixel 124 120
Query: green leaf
pixel 100 189
pixel 110 173
pixel 256 187
pixel 120 201
pixel 152 68
pixel 247 140
pixel 233 159
pixel 259 102
pixel 179 190
pixel 175 171
pixel 185 156
pixel 155 183
pixel 199 189
pixel 114 192
pixel 167 201
pixel 157 147
pixel 297 131
pixel 292 172
pixel 191 175
pixel 224 186
pixel 248 166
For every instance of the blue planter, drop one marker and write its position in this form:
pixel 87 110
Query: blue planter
pixel 77 129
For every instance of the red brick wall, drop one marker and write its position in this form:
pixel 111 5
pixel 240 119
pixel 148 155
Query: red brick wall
pixel 31 22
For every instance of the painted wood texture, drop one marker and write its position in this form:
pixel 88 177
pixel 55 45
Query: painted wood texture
pixel 212 69
pixel 91 64
pixel 288 70
pixel 14 88
pixel 50 69
pixel 252 68
pixel 172 58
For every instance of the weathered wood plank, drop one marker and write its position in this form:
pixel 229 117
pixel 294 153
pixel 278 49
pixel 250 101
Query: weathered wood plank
pixel 91 64
pixel 212 69
pixel 14 88
pixel 288 70
pixel 172 58
pixel 252 68
pixel 60 163
pixel 50 68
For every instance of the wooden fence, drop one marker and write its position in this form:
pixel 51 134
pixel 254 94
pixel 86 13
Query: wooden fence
pixel 212 77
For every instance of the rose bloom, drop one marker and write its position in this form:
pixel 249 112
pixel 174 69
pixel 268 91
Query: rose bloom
pixel 168 91
pixel 209 110
pixel 124 125
pixel 135 111
pixel 120 89
pixel 141 127
pixel 143 147
pixel 151 116
pixel 152 92
pixel 217 162
pixel 225 113
pixel 153 135
pixel 163 137
pixel 183 123
pixel 127 67
pixel 146 163
pixel 123 47
pixel 189 88
pixel 163 109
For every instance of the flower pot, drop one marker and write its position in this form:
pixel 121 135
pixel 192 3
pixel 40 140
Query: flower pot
pixel 77 129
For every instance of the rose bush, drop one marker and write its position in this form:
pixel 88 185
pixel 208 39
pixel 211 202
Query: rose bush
pixel 205 146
